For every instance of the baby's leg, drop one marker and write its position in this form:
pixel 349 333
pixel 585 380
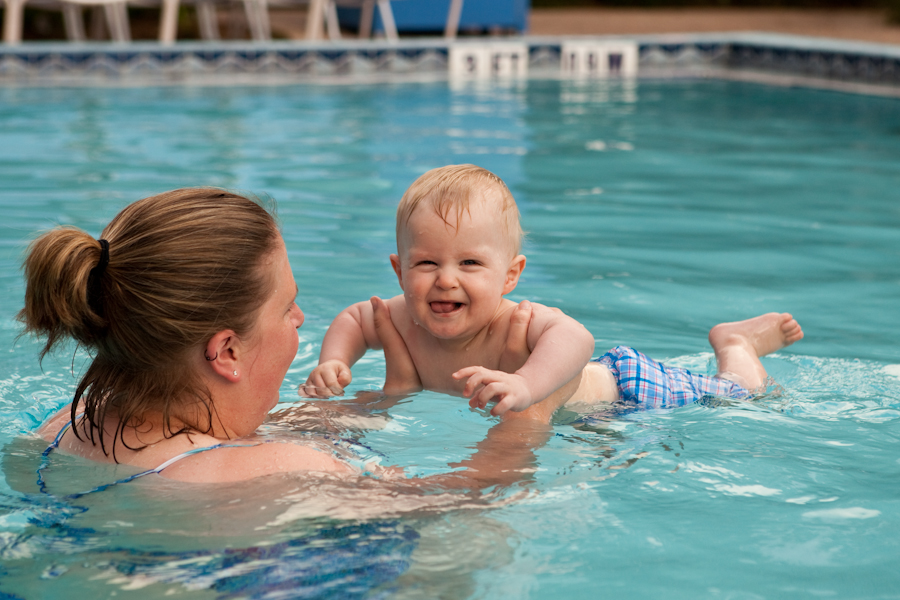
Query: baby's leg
pixel 739 345
pixel 637 380
pixel 640 380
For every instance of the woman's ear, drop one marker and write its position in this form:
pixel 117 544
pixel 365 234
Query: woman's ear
pixel 223 353
pixel 395 263
pixel 516 266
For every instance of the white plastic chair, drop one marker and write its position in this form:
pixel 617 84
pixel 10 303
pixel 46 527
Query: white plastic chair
pixel 453 15
pixel 257 12
pixel 321 12
pixel 207 19
pixel 366 17
pixel 326 10
pixel 116 14
pixel 115 11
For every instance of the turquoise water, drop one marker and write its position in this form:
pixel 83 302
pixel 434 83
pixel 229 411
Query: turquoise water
pixel 654 211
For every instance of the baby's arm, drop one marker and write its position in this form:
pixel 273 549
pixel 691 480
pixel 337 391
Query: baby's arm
pixel 401 376
pixel 348 337
pixel 560 348
pixel 362 326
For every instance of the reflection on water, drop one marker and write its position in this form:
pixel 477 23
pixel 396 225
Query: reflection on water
pixel 281 537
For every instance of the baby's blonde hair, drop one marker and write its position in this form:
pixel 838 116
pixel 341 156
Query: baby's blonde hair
pixel 451 187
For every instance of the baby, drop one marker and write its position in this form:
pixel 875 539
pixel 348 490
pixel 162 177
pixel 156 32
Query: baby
pixel 458 242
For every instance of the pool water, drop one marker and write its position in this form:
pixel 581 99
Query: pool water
pixel 654 210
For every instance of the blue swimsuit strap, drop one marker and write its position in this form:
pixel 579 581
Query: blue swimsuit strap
pixel 56 440
pixel 42 486
pixel 159 469
pixel 45 456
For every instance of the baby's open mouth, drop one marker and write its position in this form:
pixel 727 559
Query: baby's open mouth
pixel 445 307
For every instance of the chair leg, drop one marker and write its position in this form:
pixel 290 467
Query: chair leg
pixel 12 21
pixel 314 19
pixel 208 20
pixel 117 21
pixel 265 25
pixel 124 21
pixel 387 19
pixel 453 15
pixel 112 22
pixel 258 19
pixel 366 12
pixel 331 21
pixel 168 21
pixel 74 21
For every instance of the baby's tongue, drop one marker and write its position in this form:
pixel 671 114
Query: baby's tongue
pixel 443 307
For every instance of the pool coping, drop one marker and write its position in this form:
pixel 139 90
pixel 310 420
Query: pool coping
pixel 776 59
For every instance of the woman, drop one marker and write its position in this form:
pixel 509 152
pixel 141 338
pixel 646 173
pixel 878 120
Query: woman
pixel 188 303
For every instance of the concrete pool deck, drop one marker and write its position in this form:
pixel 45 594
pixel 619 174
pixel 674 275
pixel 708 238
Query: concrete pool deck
pixel 859 25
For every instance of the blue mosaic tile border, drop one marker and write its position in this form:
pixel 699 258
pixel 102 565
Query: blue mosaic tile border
pixel 288 62
pixel 150 64
pixel 826 64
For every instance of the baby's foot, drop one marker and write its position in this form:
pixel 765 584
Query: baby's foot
pixel 764 334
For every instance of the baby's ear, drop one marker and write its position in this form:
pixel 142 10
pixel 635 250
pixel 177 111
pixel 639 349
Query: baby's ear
pixel 516 266
pixel 395 263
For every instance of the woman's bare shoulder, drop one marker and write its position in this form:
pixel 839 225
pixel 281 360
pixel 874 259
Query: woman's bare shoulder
pixel 242 462
pixel 52 426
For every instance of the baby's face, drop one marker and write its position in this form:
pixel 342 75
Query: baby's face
pixel 454 276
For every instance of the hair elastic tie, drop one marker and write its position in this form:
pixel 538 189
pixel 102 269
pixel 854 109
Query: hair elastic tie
pixel 95 292
pixel 104 258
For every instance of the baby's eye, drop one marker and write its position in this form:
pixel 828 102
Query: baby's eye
pixel 426 262
pixel 470 261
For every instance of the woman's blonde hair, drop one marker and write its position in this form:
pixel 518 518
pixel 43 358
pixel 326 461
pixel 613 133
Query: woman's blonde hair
pixel 182 266
pixel 452 188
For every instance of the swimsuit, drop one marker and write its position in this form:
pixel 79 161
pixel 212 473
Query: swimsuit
pixel 645 383
pixel 45 459
pixel 346 449
pixel 339 560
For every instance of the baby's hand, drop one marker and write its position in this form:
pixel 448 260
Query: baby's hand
pixel 508 390
pixel 328 379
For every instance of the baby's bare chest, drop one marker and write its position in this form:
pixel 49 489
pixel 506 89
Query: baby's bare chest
pixel 436 366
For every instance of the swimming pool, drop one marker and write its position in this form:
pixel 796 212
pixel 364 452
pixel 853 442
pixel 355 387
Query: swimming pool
pixel 654 210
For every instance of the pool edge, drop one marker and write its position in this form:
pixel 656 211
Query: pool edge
pixel 775 59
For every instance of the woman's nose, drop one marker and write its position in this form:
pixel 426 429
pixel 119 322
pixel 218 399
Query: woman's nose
pixel 298 316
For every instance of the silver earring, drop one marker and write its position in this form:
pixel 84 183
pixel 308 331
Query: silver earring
pixel 235 373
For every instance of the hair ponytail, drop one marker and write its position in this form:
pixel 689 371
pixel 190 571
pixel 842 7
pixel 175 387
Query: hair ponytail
pixel 58 271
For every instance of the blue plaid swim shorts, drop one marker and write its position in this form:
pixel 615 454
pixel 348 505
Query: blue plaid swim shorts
pixel 646 383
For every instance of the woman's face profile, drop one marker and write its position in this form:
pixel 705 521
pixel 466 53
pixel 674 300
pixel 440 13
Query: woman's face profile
pixel 273 341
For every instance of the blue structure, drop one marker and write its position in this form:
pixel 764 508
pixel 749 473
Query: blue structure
pixel 430 16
